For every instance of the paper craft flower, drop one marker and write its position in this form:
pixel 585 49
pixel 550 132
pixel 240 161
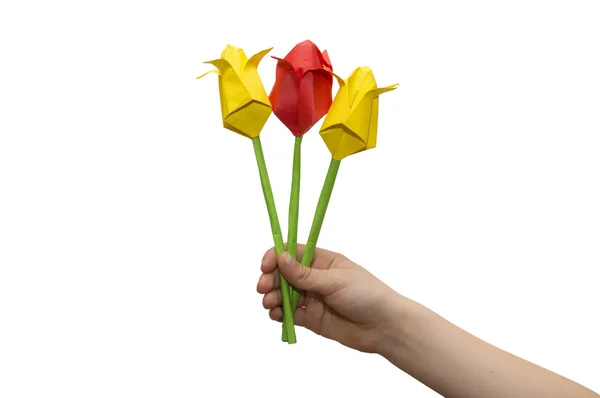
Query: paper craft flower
pixel 300 97
pixel 245 106
pixel 301 94
pixel 349 127
pixel 351 124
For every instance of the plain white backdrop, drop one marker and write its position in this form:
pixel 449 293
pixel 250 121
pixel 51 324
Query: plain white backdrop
pixel 132 224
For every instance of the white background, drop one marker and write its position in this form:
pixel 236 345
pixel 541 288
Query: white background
pixel 132 224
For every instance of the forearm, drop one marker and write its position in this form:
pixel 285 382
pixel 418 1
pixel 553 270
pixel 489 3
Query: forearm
pixel 456 364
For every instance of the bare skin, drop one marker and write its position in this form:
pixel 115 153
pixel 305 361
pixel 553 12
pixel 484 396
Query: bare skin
pixel 344 302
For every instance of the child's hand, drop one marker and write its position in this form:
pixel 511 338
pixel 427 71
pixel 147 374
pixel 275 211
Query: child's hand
pixel 341 300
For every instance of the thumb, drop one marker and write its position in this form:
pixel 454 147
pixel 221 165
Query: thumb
pixel 305 278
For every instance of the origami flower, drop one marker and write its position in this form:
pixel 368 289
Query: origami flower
pixel 349 127
pixel 245 109
pixel 351 124
pixel 301 94
pixel 300 97
pixel 245 106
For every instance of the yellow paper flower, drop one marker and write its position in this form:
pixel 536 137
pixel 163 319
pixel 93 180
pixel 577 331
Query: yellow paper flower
pixel 351 124
pixel 245 105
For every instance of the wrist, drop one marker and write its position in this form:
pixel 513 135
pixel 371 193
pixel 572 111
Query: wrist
pixel 400 319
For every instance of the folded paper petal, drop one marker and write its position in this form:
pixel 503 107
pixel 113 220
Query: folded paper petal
pixel 314 98
pixel 327 62
pixel 206 73
pixel 252 80
pixel 339 79
pixel 284 95
pixel 305 56
pixel 236 57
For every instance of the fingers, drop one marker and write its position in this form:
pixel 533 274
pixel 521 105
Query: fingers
pixel 322 259
pixel 323 282
pixel 276 314
pixel 269 261
pixel 268 282
pixel 273 299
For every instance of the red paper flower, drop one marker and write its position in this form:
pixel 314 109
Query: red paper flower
pixel 301 94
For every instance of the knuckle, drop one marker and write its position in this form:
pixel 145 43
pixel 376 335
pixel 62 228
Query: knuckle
pixel 304 274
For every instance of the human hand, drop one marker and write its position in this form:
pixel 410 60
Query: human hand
pixel 341 300
pixel 344 302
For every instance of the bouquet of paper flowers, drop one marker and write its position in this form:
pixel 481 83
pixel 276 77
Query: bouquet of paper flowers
pixel 300 97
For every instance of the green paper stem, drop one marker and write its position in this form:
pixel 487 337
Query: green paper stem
pixel 292 239
pixel 288 315
pixel 294 200
pixel 317 223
